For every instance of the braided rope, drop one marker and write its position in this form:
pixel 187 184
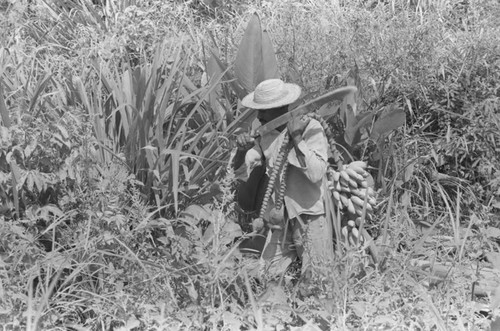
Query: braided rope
pixel 281 192
pixel 279 164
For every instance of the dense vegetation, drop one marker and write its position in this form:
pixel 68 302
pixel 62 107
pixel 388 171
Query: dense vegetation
pixel 117 203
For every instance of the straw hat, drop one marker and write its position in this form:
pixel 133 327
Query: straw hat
pixel 272 93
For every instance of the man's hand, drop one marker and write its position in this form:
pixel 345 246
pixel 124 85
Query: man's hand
pixel 297 126
pixel 244 142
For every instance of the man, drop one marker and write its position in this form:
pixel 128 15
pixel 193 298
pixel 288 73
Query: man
pixel 302 230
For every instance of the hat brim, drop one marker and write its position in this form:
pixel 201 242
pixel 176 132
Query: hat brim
pixel 293 93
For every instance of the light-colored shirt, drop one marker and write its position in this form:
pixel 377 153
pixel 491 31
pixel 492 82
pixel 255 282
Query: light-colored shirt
pixel 304 185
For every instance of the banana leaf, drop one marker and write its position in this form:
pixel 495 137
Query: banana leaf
pixel 255 60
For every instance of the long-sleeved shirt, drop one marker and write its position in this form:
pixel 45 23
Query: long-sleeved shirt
pixel 304 185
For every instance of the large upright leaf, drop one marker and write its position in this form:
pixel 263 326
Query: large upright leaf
pixel 255 60
pixel 269 68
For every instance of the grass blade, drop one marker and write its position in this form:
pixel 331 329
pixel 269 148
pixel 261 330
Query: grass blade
pixel 4 112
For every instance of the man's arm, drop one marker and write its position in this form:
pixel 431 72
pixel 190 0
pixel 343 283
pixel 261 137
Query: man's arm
pixel 311 150
pixel 244 143
pixel 296 139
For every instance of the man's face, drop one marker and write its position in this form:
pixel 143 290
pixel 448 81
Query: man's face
pixel 266 115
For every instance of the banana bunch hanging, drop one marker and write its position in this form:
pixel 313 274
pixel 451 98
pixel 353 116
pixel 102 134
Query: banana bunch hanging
pixel 350 188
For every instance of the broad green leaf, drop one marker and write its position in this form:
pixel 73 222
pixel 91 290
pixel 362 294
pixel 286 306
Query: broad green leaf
pixel 495 303
pixel 29 181
pixel 193 214
pixel 269 60
pixel 4 113
pixel 359 307
pixel 232 321
pixel 354 79
pixel 5 139
pixel 391 119
pixel 39 181
pixel 215 74
pixel 16 172
pixel 235 84
pixel 42 84
pixel 174 173
pixel 30 147
pixel 16 177
pixel 494 259
pixel 213 68
pixel 348 110
pixel 228 231
pixel 492 232
pixel 255 60
pixel 353 134
pixel 91 13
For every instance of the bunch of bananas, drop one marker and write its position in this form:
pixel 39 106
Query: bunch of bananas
pixel 350 188
pixel 351 234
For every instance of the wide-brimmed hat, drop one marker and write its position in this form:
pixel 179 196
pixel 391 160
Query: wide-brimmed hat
pixel 272 93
